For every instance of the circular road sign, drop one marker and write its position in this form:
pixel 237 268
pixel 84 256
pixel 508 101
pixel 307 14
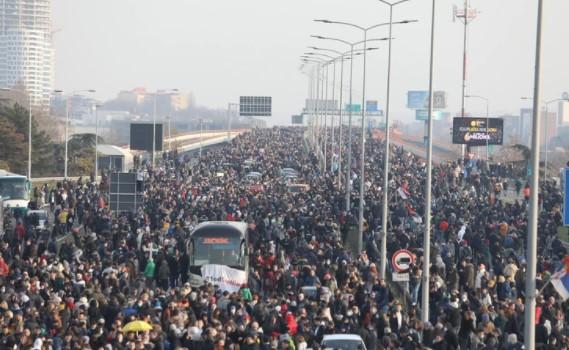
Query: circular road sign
pixel 402 260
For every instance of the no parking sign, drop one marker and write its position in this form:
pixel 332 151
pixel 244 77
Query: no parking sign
pixel 402 260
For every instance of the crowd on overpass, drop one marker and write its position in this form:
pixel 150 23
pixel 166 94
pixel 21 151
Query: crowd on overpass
pixel 78 291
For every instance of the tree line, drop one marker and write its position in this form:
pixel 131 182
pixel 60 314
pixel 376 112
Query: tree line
pixel 48 152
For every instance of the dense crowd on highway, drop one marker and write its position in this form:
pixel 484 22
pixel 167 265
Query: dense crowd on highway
pixel 77 285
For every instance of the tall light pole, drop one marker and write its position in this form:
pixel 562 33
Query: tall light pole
pixel 363 110
pixel 326 107
pixel 341 56
pixel 154 107
pixel 530 293
pixel 96 108
pixel 67 103
pixel 30 119
pixel 340 145
pixel 487 123
pixel 546 131
pixel 385 211
pixel 350 110
pixel 466 16
pixel 201 136
pixel 427 236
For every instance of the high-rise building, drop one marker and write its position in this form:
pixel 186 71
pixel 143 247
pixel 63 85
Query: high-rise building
pixel 26 48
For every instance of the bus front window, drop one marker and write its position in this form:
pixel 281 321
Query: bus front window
pixel 14 189
pixel 219 251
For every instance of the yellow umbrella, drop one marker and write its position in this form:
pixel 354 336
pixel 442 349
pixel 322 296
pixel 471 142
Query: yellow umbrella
pixel 137 326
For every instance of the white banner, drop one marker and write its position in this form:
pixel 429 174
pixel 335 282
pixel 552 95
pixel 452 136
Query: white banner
pixel 225 277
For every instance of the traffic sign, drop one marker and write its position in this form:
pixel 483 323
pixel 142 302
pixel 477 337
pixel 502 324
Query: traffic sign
pixel 566 197
pixel 402 260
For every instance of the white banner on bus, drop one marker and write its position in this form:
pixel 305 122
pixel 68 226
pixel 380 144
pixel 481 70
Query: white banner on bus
pixel 226 278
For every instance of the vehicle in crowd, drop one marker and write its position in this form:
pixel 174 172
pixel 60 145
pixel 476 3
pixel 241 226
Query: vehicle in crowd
pixel 311 292
pixel 343 342
pixel 288 172
pixel 298 188
pixel 248 164
pixel 218 243
pixel 38 218
pixel 253 176
pixel 14 191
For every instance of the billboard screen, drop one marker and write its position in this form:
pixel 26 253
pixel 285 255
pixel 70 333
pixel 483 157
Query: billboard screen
pixel 141 137
pixel 474 131
pixel 353 108
pixel 420 100
pixel 328 105
pixel 255 106
pixel 421 114
pixel 372 106
pixel 297 119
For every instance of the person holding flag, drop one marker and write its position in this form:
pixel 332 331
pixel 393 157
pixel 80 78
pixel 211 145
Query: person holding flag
pixel 560 280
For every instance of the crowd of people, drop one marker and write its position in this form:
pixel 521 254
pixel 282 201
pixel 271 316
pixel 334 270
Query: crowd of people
pixel 79 284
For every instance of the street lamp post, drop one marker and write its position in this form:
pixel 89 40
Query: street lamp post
pixel 530 292
pixel 363 110
pixel 427 237
pixel 67 103
pixel 340 121
pixel 487 123
pixel 383 247
pixel 96 107
pixel 30 119
pixel 201 136
pixel 154 107
pixel 350 109
pixel 546 131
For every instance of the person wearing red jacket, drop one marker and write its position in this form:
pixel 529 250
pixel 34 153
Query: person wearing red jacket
pixel 4 269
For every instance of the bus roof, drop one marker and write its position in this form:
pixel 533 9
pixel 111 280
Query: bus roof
pixel 5 173
pixel 236 225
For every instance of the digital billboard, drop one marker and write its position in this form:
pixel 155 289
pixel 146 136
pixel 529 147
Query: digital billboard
pixel 474 131
pixel 255 106
pixel 141 137
pixel 420 99
pixel 297 119
pixel 372 106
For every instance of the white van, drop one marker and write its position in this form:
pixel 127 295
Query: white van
pixel 343 342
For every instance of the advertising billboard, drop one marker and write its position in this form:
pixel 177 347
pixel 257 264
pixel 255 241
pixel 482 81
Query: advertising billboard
pixel 421 114
pixel 474 131
pixel 420 99
pixel 123 195
pixel 372 106
pixel 297 119
pixel 329 105
pixel 255 106
pixel 353 108
pixel 141 137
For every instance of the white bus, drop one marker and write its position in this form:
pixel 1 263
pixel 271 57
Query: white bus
pixel 14 191
pixel 222 243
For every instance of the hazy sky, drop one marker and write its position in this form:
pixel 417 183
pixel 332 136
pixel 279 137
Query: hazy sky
pixel 221 49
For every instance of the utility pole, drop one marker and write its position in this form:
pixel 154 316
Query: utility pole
pixel 466 15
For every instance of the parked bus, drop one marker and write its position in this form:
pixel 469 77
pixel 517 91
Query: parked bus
pixel 218 243
pixel 15 191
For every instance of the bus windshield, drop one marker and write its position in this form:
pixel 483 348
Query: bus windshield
pixel 218 249
pixel 14 188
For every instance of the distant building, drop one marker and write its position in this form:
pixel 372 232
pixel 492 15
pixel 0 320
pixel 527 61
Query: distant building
pixel 135 96
pixel 563 114
pixel 140 99
pixel 512 129
pixel 26 48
